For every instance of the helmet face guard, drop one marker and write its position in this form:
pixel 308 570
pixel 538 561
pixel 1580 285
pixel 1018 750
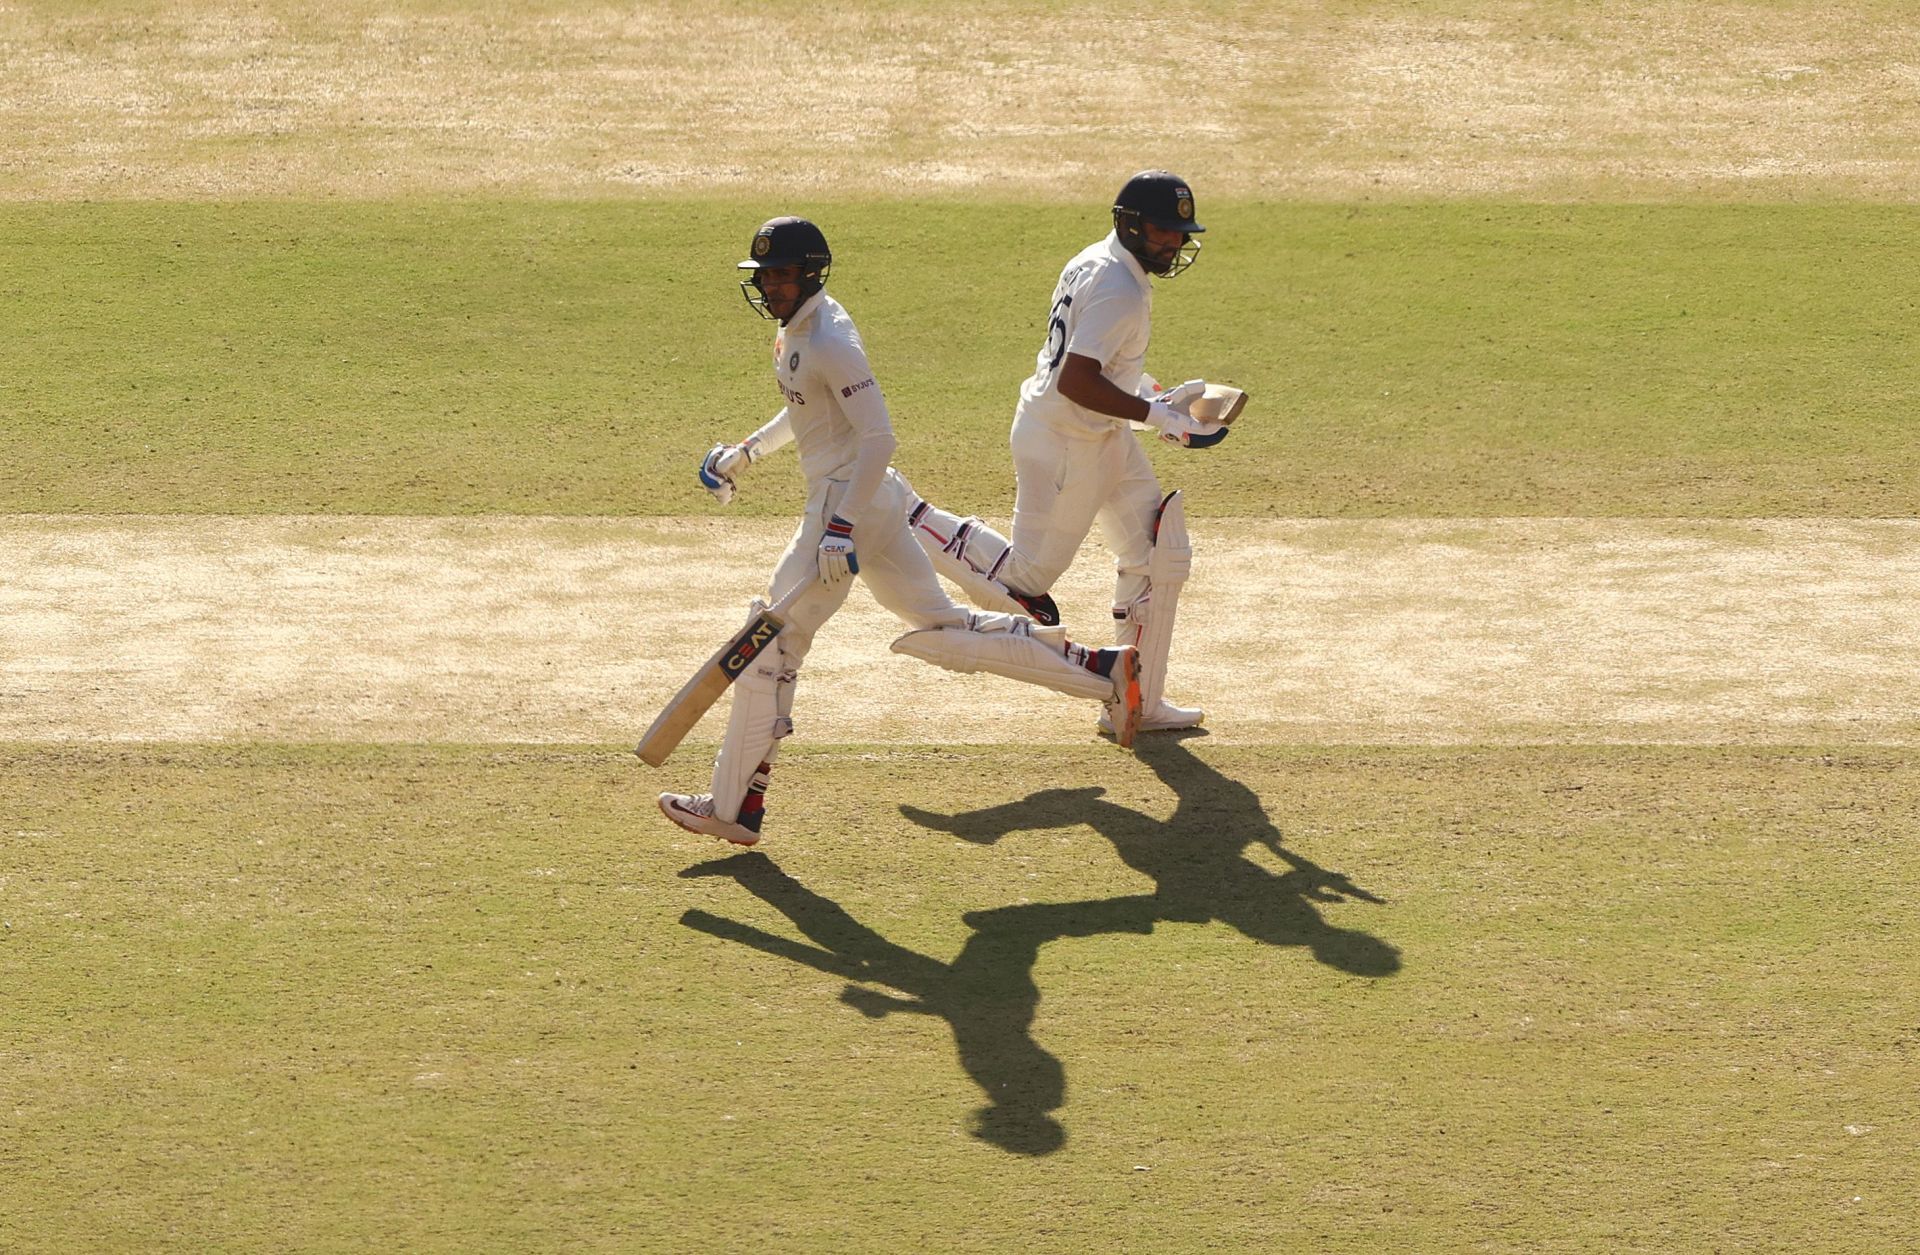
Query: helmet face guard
pixel 786 242
pixel 1128 225
pixel 1161 199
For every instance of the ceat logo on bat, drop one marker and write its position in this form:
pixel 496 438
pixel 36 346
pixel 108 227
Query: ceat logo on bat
pixel 748 647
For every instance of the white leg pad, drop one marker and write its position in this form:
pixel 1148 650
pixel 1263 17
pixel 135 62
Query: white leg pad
pixel 762 714
pixel 1146 622
pixel 965 551
pixel 1005 645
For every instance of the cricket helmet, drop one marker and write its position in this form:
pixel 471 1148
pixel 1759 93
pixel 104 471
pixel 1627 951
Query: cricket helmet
pixel 786 242
pixel 1163 199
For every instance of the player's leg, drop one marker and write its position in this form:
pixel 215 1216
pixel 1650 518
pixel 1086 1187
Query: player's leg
pixel 761 715
pixel 897 568
pixel 1147 533
pixel 902 580
pixel 799 567
pixel 1059 487
pixel 971 554
pixel 1015 647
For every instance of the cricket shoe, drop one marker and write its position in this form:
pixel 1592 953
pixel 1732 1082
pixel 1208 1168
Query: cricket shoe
pixel 1121 664
pixel 1165 717
pixel 694 812
pixel 1039 607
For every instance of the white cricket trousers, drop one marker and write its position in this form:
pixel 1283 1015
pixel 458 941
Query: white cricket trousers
pixel 1063 484
pixel 892 565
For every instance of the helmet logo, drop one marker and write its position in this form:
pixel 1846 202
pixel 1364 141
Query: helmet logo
pixel 1184 204
pixel 762 245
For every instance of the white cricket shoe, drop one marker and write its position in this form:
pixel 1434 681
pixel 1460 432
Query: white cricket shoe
pixel 1166 717
pixel 1121 716
pixel 694 812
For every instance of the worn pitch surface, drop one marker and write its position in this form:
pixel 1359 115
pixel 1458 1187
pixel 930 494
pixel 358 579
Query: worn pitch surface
pixel 1303 631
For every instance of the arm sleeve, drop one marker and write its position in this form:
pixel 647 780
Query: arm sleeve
pixel 774 435
pixel 846 371
pixel 1102 325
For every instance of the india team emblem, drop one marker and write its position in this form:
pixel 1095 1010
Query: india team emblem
pixel 762 245
pixel 1184 205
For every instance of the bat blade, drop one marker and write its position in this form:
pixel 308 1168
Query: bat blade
pixel 699 694
pixel 1218 404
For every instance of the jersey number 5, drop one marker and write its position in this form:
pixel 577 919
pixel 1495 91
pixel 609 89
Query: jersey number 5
pixel 1057 332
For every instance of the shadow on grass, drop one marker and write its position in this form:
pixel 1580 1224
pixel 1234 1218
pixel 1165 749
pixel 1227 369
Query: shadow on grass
pixel 988 995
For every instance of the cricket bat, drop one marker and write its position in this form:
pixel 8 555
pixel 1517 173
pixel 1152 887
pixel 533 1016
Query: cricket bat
pixel 1218 404
pixel 699 694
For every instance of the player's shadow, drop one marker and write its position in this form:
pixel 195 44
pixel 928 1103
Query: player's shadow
pixel 1197 857
pixel 988 995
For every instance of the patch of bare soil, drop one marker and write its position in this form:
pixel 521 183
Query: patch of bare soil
pixel 1296 98
pixel 1317 632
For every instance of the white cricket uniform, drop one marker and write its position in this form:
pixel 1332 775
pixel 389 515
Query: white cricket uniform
pixel 841 430
pixel 1073 465
pixel 837 417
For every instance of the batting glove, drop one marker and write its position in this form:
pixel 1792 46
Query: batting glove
pixel 1182 430
pixel 717 470
pixel 837 560
pixel 1182 395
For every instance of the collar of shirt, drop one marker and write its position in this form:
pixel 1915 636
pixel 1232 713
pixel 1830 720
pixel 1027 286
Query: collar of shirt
pixel 1119 251
pixel 806 310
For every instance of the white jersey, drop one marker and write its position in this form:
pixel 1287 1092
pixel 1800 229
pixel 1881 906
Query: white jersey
pixel 1102 309
pixel 834 407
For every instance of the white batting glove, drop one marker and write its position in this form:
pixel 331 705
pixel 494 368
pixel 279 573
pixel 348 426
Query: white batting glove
pixel 717 471
pixel 1184 395
pixel 837 560
pixel 1189 433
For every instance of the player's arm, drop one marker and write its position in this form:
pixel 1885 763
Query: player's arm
pixel 722 466
pixel 848 374
pixel 1108 318
pixel 1082 383
pixel 843 370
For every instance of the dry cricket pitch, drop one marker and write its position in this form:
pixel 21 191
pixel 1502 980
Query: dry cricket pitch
pixel 1292 631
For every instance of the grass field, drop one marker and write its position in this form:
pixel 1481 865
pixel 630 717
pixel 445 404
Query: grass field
pixel 442 999
pixel 558 358
pixel 1582 339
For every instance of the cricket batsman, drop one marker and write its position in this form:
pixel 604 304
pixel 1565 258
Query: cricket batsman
pixel 855 525
pixel 1075 458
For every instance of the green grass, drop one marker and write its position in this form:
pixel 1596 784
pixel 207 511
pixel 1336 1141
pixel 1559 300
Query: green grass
pixel 576 358
pixel 458 999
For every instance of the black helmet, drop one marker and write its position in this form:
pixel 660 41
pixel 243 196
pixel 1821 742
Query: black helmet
pixel 1163 199
pixel 786 242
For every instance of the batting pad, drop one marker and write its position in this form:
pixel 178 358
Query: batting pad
pixel 760 716
pixel 1151 615
pixel 1015 655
